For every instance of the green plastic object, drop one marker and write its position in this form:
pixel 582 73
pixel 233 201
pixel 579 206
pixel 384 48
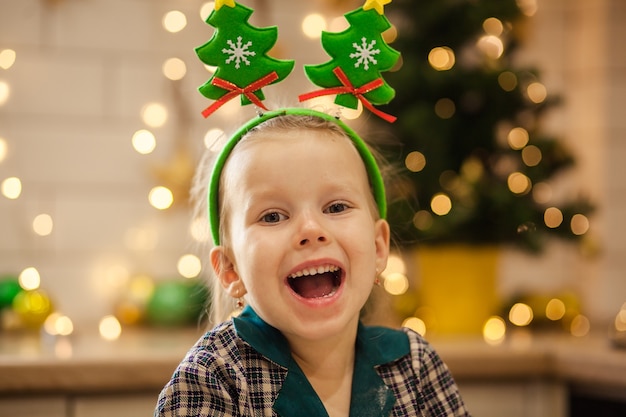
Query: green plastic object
pixel 9 289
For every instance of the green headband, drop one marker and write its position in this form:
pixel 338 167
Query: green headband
pixel 373 172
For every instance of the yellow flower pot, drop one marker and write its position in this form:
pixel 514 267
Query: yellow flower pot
pixel 456 287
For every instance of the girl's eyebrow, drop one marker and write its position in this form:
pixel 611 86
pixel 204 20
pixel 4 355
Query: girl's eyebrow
pixel 266 197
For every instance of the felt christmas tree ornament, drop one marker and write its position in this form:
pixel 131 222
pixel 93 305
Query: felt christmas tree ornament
pixel 359 54
pixel 239 51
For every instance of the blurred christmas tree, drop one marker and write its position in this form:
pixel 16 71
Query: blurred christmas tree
pixel 477 164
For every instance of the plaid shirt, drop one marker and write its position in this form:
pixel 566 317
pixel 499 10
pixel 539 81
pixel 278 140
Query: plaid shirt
pixel 243 368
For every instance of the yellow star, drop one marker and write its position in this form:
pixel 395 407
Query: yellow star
pixel 376 4
pixel 220 3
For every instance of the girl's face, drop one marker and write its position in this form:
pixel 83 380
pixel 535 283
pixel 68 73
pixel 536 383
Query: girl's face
pixel 303 240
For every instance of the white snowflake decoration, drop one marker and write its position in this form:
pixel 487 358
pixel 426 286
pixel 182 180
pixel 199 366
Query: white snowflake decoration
pixel 365 53
pixel 238 52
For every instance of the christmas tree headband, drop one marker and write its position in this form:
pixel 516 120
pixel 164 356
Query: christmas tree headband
pixel 238 50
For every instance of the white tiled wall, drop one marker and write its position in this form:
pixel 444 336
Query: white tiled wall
pixel 83 72
pixel 85 69
pixel 576 45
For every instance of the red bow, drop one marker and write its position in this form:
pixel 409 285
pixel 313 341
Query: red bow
pixel 234 91
pixel 348 88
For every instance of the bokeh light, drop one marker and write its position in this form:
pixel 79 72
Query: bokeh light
pixel 58 324
pixel 352 114
pixel 441 204
pixel 338 24
pixel 531 155
pixel 445 108
pixel 189 266
pixel 441 58
pixel 390 35
pixel 553 217
pixel 493 26
pixel 396 283
pixel 528 7
pixel 472 169
pixel 313 25
pixel 200 230
pixel 7 58
pixel 537 92
pixel 144 141
pixel 214 139
pixel 141 287
pixel 43 224
pixel 491 46
pixel 518 138
pixel 206 9
pixel 210 68
pixel 579 224
pixel 11 188
pixel 542 193
pixel 5 92
pixel 423 220
pixel 4 149
pixel 110 328
pixel 415 324
pixel 620 319
pixel 519 183
pixel 395 263
pixel 154 114
pixel 29 279
pixel 174 69
pixel 415 161
pixel 580 326
pixel 174 21
pixel 555 309
pixel 494 330
pixel 521 314
pixel 161 197
pixel 507 81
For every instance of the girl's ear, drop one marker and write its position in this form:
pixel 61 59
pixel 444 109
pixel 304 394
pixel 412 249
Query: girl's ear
pixel 224 270
pixel 381 239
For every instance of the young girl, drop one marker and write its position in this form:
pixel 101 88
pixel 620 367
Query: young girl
pixel 296 208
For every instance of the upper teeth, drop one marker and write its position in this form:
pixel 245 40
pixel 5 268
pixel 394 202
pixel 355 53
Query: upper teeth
pixel 314 270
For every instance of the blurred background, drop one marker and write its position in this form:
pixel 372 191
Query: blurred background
pixel 100 132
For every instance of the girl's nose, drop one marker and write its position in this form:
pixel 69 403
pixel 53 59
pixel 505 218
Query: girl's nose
pixel 306 241
pixel 311 232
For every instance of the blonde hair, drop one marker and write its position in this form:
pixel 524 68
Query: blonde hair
pixel 221 304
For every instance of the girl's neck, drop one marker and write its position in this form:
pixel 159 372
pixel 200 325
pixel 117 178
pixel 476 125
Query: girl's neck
pixel 328 365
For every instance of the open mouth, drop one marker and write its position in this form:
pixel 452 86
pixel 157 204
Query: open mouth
pixel 316 282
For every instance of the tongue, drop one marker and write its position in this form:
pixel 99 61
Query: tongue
pixel 314 286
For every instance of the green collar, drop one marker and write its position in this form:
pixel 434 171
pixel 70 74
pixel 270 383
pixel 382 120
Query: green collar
pixel 370 396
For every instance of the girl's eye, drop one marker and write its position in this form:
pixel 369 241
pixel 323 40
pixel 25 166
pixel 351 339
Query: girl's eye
pixel 273 217
pixel 336 208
